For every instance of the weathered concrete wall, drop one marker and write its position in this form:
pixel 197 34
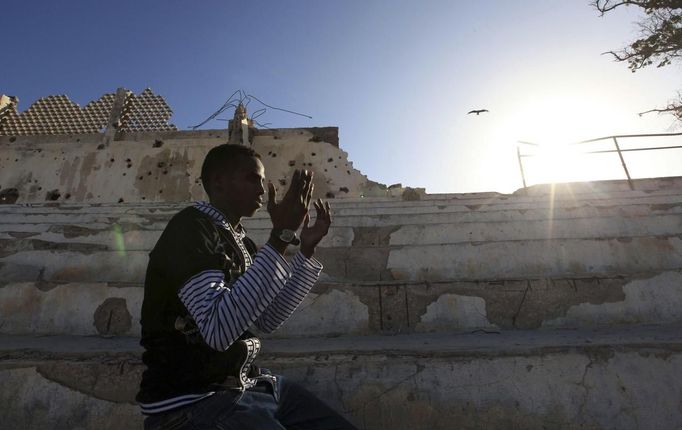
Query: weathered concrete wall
pixel 617 379
pixel 443 263
pixel 360 309
pixel 501 309
pixel 164 166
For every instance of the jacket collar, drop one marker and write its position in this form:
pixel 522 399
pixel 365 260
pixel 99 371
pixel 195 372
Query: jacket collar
pixel 219 218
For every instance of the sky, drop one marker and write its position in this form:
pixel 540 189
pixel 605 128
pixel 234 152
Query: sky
pixel 396 76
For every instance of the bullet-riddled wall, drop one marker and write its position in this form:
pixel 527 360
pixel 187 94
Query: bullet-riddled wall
pixel 121 148
pixel 163 166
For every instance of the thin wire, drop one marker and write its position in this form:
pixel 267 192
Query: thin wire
pixel 258 113
pixel 244 99
pixel 276 108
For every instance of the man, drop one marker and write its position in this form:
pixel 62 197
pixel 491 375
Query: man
pixel 206 286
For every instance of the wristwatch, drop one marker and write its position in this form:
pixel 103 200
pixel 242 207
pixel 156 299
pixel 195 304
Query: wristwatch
pixel 286 236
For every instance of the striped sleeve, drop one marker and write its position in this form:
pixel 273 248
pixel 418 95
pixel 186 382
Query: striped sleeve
pixel 305 274
pixel 223 312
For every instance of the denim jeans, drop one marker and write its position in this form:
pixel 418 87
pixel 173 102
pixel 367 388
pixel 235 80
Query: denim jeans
pixel 254 409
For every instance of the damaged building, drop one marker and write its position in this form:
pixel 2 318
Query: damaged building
pixel 552 307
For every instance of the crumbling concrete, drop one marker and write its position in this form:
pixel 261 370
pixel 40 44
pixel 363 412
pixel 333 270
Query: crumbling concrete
pixel 600 379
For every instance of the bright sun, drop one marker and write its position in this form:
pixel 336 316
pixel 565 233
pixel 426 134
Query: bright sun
pixel 553 124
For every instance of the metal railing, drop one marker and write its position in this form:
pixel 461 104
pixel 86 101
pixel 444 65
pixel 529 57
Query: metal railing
pixel 617 150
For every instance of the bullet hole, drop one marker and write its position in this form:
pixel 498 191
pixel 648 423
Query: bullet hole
pixel 339 157
pixel 9 196
pixel 165 172
pixel 78 140
pixel 16 159
pixel 282 182
pixel 292 163
pixel 124 173
pixel 157 143
pixel 120 200
pixel 170 165
pixel 312 153
pixel 325 170
pixel 329 195
pixel 67 196
pixel 329 160
pixel 53 195
pixel 160 191
pixel 335 166
pixel 315 139
pixel 144 198
pixel 149 173
pixel 343 189
pixel 101 146
pixel 276 137
pixel 13 139
pixel 348 171
pixel 40 188
pixel 112 160
pixel 35 181
pixel 160 164
pixel 274 155
pixel 129 163
pixel 186 173
pixel 141 177
pixel 54 158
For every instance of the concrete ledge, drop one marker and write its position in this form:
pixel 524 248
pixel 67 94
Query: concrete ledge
pixel 609 378
pixel 389 307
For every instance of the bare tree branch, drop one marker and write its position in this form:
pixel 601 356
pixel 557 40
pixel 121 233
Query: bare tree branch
pixel 659 42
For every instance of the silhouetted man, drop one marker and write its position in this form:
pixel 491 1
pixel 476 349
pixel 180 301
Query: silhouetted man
pixel 207 284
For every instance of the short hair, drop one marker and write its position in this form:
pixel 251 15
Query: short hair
pixel 223 157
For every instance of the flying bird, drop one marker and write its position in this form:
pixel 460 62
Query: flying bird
pixel 477 111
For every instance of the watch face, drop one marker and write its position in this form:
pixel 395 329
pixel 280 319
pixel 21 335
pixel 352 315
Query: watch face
pixel 287 235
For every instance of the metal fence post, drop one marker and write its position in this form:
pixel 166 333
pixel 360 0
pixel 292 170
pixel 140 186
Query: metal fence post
pixel 523 175
pixel 622 161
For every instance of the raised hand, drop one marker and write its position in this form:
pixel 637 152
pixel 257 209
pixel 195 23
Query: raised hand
pixel 290 211
pixel 311 236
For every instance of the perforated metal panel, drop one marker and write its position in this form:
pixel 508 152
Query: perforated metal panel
pixel 54 115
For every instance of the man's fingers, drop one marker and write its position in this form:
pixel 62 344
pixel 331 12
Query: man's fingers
pixel 272 195
pixel 295 185
pixel 319 209
pixel 305 188
pixel 306 220
pixel 328 211
pixel 309 195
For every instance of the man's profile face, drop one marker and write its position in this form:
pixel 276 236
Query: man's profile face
pixel 241 190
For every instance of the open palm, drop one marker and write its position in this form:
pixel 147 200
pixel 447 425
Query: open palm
pixel 312 235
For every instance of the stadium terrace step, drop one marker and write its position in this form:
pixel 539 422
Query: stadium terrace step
pixel 391 307
pixel 570 378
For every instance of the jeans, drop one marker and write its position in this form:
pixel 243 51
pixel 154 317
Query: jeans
pixel 254 409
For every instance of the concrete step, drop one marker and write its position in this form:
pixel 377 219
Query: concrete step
pixel 607 379
pixel 371 207
pixel 375 256
pixel 139 237
pixel 544 192
pixel 392 307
